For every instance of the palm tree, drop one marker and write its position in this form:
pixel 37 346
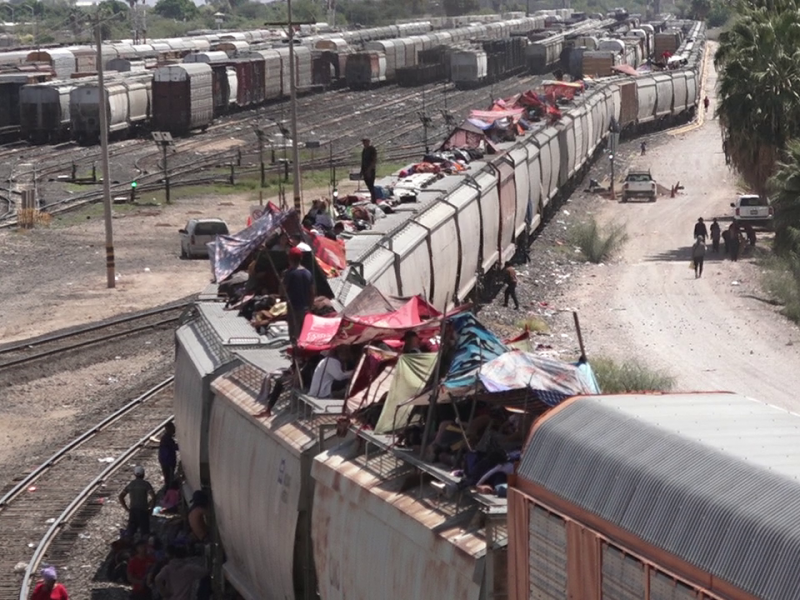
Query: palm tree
pixel 786 202
pixel 759 87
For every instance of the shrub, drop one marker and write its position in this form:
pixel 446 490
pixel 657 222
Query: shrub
pixel 782 282
pixel 629 376
pixel 595 244
pixel 534 324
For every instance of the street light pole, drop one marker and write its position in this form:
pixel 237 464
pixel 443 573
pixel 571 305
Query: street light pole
pixel 298 202
pixel 110 266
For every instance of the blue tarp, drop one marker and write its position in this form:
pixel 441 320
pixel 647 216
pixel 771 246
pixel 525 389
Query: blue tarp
pixel 228 252
pixel 475 345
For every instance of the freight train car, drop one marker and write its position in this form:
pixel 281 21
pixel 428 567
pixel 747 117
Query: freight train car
pixel 10 86
pixel 463 226
pixel 590 485
pixel 44 111
pixel 542 54
pixel 365 70
pixel 62 61
pixel 127 107
pixel 182 98
pixel 503 58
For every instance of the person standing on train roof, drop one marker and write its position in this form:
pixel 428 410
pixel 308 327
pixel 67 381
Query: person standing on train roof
pixel 143 500
pixel 298 283
pixel 49 588
pixel 369 165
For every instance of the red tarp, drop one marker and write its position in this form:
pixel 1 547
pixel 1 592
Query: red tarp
pixel 490 116
pixel 322 333
pixel 627 69
pixel 561 89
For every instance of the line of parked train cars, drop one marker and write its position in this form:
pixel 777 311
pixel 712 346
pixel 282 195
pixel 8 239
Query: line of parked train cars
pixel 62 64
pixel 380 61
pixel 237 75
pixel 275 543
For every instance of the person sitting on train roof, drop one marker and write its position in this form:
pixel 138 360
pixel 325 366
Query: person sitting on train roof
pixel 296 241
pixel 411 343
pixel 330 379
pixel 323 220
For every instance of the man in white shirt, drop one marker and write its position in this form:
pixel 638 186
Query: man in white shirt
pixel 330 379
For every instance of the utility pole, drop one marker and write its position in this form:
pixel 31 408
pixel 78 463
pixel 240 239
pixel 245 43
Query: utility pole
pixel 260 136
pixel 110 265
pixel 613 129
pixel 298 202
pixel 426 120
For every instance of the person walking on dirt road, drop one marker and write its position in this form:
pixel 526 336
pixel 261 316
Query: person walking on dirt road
pixel 700 229
pixel 644 148
pixel 733 241
pixel 511 285
pixel 706 102
pixel 698 256
pixel 716 234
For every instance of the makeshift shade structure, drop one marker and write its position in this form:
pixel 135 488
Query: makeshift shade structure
pixel 474 346
pixel 411 376
pixel 551 381
pixel 323 333
pixel 371 301
pixel 372 378
pixel 228 252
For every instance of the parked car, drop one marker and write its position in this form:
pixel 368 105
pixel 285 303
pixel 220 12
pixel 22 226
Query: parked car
pixel 198 233
pixel 639 184
pixel 753 209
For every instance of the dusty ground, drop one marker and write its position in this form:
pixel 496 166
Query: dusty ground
pixel 711 333
pixel 55 277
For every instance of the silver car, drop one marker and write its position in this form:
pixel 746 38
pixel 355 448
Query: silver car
pixel 198 233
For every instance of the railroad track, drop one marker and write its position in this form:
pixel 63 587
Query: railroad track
pixel 40 348
pixel 189 168
pixel 44 511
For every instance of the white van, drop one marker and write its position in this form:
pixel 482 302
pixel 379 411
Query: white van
pixel 198 233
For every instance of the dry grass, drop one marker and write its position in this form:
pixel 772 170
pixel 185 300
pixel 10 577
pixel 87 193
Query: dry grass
pixel 630 376
pixel 597 245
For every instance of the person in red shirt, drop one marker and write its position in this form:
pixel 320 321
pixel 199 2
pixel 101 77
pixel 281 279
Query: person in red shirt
pixel 48 588
pixel 138 566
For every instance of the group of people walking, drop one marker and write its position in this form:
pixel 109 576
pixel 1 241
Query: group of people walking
pixel 734 238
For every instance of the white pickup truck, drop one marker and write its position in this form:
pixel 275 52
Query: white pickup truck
pixel 639 184
pixel 752 209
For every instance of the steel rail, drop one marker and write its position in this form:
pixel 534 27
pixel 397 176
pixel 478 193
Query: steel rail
pixel 76 504
pixel 110 336
pixel 87 435
pixel 60 336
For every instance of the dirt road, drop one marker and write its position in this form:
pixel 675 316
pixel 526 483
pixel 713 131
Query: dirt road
pixel 710 333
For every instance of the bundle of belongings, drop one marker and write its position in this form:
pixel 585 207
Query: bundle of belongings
pixel 251 269
pixel 445 162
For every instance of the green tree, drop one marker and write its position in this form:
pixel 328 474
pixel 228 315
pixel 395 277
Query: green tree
pixel 182 10
pixel 759 87
pixel 786 201
pixel 454 8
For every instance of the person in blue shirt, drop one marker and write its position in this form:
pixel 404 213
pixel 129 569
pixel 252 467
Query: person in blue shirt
pixel 168 454
pixel 299 286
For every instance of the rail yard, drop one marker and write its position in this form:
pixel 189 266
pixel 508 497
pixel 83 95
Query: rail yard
pixel 315 496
